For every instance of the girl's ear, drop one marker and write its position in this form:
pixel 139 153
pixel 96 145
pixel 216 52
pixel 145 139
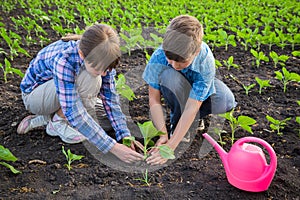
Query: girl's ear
pixel 81 54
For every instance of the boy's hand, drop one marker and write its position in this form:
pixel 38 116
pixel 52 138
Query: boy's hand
pixel 163 139
pixel 156 159
pixel 125 153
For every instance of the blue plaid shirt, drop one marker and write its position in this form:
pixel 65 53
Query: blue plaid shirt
pixel 200 73
pixel 61 62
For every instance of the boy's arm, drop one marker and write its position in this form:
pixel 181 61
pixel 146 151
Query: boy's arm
pixel 190 111
pixel 187 118
pixel 157 115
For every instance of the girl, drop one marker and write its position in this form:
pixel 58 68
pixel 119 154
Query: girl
pixel 65 80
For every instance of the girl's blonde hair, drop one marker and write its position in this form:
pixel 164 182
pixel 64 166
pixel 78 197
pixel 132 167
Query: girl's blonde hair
pixel 183 38
pixel 100 46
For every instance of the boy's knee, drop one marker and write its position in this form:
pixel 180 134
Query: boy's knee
pixel 175 82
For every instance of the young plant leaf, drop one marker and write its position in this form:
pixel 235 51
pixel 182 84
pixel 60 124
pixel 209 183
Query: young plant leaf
pixel 128 140
pixel 6 155
pixel 166 152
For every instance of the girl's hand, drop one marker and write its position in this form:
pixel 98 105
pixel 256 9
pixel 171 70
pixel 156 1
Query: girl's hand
pixel 163 139
pixel 125 153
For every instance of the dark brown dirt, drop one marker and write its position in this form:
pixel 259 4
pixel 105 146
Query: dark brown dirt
pixel 188 177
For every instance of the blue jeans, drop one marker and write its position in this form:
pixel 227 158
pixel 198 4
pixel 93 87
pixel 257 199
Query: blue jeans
pixel 175 89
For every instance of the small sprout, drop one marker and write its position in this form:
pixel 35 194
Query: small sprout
pixel 278 59
pixel 123 89
pixel 262 83
pixel 149 131
pixel 260 56
pixel 229 63
pixel 70 157
pixel 277 125
pixel 285 77
pixel 242 121
pixel 248 87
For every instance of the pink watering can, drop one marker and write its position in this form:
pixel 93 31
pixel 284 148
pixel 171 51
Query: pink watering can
pixel 245 164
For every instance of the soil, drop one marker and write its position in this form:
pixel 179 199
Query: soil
pixel 190 176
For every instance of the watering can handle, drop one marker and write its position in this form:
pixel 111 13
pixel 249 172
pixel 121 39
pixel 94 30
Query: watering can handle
pixel 273 158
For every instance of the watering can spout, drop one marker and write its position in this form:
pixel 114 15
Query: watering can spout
pixel 222 153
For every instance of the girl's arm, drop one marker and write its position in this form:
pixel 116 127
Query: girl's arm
pixel 112 107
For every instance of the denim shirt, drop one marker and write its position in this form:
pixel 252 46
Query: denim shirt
pixel 200 73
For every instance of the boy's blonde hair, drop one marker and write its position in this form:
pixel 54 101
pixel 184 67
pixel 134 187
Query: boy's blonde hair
pixel 100 46
pixel 183 38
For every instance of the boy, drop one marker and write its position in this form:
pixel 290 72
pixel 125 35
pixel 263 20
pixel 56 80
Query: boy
pixel 182 70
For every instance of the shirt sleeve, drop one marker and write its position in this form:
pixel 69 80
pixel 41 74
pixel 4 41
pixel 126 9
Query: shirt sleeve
pixel 73 109
pixel 111 104
pixel 154 68
pixel 203 80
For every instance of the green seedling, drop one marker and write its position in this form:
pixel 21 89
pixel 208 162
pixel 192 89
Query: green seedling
pixel 13 40
pixel 277 125
pixel 285 77
pixel 226 39
pixel 278 59
pixel 259 56
pixel 229 63
pixel 8 69
pixel 6 155
pixel 145 178
pixel 132 37
pixel 219 133
pixel 149 132
pixel 123 89
pixel 70 157
pixel 248 87
pixel 262 84
pixel 243 122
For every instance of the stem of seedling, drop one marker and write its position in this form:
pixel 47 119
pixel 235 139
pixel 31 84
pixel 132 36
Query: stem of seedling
pixel 248 87
pixel 242 121
pixel 262 83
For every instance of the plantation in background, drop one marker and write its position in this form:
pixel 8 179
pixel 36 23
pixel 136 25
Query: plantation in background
pixel 257 49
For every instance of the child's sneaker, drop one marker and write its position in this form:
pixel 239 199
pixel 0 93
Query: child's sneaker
pixel 64 131
pixel 32 121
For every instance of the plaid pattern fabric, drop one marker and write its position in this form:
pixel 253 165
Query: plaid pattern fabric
pixel 60 61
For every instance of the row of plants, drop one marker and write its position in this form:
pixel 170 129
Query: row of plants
pixel 256 23
pixel 250 25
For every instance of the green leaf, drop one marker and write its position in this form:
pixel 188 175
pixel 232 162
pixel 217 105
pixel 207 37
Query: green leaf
pixel 298 119
pixel 12 169
pixel 294 77
pixel 279 75
pixel 76 157
pixel 245 120
pixel 6 155
pixel 18 72
pixel 124 89
pixel 148 130
pixel 272 120
pixel 128 140
pixel 166 152
pixel 296 53
pixel 247 128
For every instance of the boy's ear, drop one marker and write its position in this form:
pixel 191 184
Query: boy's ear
pixel 81 54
